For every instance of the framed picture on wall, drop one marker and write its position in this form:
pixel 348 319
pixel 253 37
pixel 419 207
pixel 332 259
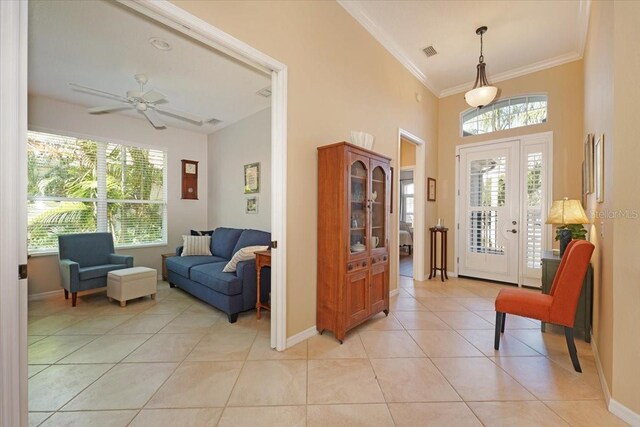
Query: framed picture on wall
pixel 252 178
pixel 598 159
pixel 588 160
pixel 431 189
pixel 252 205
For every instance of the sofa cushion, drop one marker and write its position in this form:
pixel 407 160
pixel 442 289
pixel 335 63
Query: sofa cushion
pixel 182 265
pixel 224 240
pixel 211 276
pixel 243 254
pixel 252 238
pixel 87 273
pixel 196 245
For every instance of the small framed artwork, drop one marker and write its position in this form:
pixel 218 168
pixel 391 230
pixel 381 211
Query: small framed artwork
pixel 431 189
pixel 584 184
pixel 588 160
pixel 252 205
pixel 252 178
pixel 598 159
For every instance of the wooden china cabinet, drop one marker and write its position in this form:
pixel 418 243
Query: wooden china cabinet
pixel 353 236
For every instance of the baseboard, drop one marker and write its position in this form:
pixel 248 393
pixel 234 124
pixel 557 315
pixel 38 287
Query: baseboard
pixel 615 407
pixel 452 274
pixel 301 336
pixel 44 295
pixel 394 292
pixel 603 382
pixel 624 413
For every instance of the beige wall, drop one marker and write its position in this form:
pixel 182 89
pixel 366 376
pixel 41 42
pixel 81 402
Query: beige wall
pixel 244 142
pixel 598 119
pixel 626 196
pixel 50 115
pixel 340 79
pixel 564 88
pixel 407 153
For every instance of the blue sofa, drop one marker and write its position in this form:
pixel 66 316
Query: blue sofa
pixel 202 276
pixel 85 260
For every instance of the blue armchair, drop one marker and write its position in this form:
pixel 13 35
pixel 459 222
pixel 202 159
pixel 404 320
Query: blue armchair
pixel 85 260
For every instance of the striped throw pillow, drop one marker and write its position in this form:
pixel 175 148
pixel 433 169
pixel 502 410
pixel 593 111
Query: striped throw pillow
pixel 244 254
pixel 196 245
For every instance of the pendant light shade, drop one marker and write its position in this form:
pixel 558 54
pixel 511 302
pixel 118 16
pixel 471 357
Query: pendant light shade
pixel 482 93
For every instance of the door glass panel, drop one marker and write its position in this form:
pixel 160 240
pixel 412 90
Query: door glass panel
pixel 487 191
pixel 357 214
pixel 534 210
pixel 378 202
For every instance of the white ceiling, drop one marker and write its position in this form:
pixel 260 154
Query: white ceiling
pixel 103 44
pixel 523 36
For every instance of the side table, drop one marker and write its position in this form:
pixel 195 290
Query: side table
pixel 165 274
pixel 263 259
pixel 433 267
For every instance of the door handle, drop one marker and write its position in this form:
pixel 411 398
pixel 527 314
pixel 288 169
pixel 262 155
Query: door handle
pixel 514 231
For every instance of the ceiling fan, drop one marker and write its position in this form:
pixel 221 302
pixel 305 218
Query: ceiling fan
pixel 149 103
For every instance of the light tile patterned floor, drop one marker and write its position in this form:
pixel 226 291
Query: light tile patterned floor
pixel 176 361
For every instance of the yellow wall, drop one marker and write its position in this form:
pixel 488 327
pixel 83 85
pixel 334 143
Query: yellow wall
pixel 564 88
pixel 626 196
pixel 340 79
pixel 598 119
pixel 407 153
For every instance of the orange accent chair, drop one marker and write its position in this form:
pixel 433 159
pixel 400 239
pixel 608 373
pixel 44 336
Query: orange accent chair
pixel 559 307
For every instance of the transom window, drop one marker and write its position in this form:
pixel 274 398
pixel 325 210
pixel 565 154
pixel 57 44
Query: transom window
pixel 81 185
pixel 505 114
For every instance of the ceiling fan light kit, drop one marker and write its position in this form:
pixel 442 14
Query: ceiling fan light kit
pixel 482 93
pixel 146 103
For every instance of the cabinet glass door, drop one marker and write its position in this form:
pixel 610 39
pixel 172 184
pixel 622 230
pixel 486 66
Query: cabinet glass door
pixel 358 207
pixel 378 203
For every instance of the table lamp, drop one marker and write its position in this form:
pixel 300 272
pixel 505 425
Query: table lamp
pixel 569 216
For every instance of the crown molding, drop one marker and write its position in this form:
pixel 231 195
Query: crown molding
pixel 584 10
pixel 357 12
pixel 516 72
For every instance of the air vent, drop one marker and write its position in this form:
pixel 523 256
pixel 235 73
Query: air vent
pixel 429 51
pixel 214 121
pixel 266 92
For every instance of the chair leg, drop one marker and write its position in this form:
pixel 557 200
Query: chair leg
pixel 496 344
pixel 66 294
pixel 74 297
pixel 504 320
pixel 568 333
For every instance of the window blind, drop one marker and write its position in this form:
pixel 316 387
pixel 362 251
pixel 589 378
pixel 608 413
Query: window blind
pixel 80 185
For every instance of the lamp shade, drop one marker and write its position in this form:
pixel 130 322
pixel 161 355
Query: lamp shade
pixel 567 211
pixel 481 96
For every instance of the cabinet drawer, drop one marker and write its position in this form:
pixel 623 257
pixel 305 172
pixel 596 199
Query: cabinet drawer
pixel 357 265
pixel 377 259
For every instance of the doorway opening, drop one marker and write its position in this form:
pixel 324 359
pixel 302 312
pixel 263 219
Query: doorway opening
pixel 409 185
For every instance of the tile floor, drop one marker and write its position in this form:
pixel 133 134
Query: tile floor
pixel 176 361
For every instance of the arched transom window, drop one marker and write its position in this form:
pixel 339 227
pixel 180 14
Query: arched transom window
pixel 504 114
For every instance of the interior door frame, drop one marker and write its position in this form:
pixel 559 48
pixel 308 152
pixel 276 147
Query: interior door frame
pixel 546 136
pixel 419 180
pixel 13 205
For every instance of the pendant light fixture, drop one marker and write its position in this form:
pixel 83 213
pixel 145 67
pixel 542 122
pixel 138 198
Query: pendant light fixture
pixel 482 93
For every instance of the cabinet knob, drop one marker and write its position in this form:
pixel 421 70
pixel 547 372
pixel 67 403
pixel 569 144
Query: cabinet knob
pixel 384 258
pixel 350 267
pixel 364 263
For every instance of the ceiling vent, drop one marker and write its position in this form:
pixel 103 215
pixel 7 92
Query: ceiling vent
pixel 214 121
pixel 429 51
pixel 266 92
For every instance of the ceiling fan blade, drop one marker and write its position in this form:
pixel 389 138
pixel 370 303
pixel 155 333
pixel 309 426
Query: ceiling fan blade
pixel 108 108
pixel 153 117
pixel 98 92
pixel 179 114
pixel 153 96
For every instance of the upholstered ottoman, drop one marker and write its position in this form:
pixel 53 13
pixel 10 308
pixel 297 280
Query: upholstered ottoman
pixel 129 283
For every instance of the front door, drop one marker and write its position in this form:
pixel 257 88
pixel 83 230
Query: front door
pixel 502 207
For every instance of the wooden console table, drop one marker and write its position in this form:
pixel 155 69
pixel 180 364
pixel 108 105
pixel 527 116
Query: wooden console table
pixel 433 267
pixel 263 259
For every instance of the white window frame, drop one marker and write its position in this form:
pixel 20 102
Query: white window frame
pixel 528 95
pixel 101 220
